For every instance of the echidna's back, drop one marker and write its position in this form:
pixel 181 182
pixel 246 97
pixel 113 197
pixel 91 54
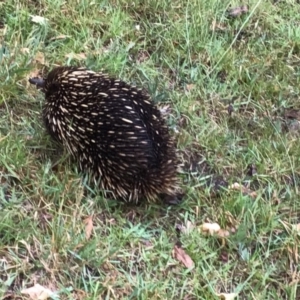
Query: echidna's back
pixel 114 130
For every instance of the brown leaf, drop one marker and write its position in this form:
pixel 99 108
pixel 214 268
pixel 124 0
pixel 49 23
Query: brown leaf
pixel 88 226
pixel 38 292
pixel 181 256
pixel 237 11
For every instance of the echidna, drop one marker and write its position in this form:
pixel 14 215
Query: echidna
pixel 114 131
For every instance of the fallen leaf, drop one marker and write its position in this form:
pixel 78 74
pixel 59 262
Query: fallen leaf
pixel 38 292
pixel 226 296
pixel 78 56
pixel 38 20
pixel 210 228
pixel 182 256
pixel 88 226
pixel 237 11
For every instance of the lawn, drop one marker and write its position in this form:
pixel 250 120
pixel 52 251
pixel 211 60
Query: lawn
pixel 229 81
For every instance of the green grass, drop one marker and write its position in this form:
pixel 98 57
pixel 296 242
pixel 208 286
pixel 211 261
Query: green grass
pixel 171 49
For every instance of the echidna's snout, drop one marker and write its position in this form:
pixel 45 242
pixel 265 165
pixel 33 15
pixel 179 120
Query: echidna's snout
pixel 39 82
